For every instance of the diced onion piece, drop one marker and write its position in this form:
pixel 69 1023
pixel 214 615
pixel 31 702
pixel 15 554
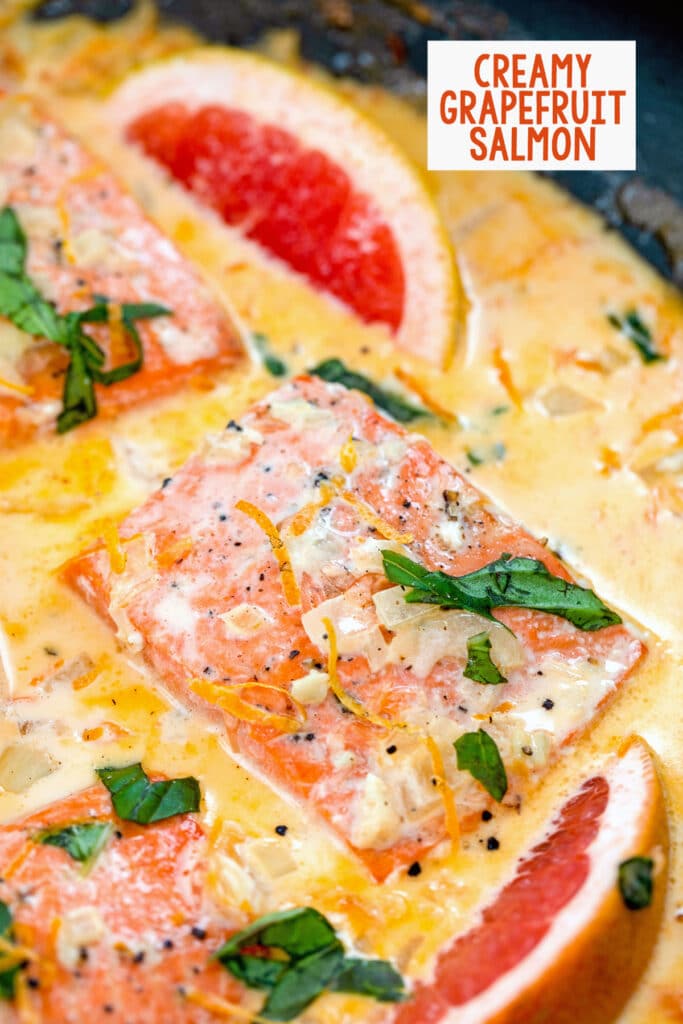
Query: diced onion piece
pixel 355 629
pixel 21 766
pixel 422 643
pixel 244 620
pixel 311 688
pixel 289 584
pixel 376 822
pixel 228 697
pixel 79 929
pixel 450 810
pixel 299 413
pixel 270 858
pixel 565 401
pixel 393 610
pixel 231 445
pixel 344 698
pixel 366 556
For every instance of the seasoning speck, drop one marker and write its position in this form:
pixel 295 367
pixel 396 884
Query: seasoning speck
pixel 415 869
pixel 281 830
pixel 548 704
pixel 492 843
pixel 486 815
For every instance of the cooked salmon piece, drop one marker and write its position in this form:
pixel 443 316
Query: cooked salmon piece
pixel 264 553
pixel 120 942
pixel 87 237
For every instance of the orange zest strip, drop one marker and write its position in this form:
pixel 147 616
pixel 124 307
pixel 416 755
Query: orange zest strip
pixel 383 528
pixel 289 584
pixel 26 1012
pixel 228 698
pixel 305 516
pixel 221 1007
pixel 348 456
pixel 414 384
pixel 14 865
pixel 450 810
pixel 174 552
pixel 80 682
pixel 505 376
pixel 115 549
pixel 344 698
pixel 669 419
pixel 16 952
pixel 21 389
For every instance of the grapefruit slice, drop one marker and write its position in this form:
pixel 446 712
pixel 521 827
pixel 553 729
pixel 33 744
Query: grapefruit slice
pixel 557 944
pixel 308 178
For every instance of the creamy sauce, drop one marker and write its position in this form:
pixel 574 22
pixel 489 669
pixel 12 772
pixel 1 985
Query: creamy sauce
pixel 540 274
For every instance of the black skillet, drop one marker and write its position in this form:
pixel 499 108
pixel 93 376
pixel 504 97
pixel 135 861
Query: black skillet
pixel 385 41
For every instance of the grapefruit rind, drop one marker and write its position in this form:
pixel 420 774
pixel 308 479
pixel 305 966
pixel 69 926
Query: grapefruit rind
pixel 588 963
pixel 322 121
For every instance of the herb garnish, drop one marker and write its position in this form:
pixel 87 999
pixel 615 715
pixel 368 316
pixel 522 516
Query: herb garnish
pixel 83 842
pixel 478 754
pixel 314 961
pixel 22 303
pixel 480 666
pixel 275 366
pixel 506 582
pixel 7 977
pixel 137 799
pixel 335 372
pixel 636 882
pixel 633 328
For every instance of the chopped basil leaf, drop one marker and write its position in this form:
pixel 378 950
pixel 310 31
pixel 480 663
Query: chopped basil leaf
pixel 636 882
pixel 8 977
pixel 335 372
pixel 480 666
pixel 273 364
pixel 479 755
pixel 297 932
pixel 633 328
pixel 506 582
pixel 473 458
pixel 82 842
pixel 303 981
pixel 22 303
pixel 137 799
pixel 315 962
pixel 255 971
pixel 375 978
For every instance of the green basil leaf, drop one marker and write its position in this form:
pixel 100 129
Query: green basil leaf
pixel 82 842
pixel 22 303
pixel 636 882
pixel 8 977
pixel 479 755
pixel 255 971
pixel 12 243
pixel 78 397
pixel 505 583
pixel 303 981
pixel 297 932
pixel 376 978
pixel 137 799
pixel 480 667
pixel 273 364
pixel 633 328
pixel 335 372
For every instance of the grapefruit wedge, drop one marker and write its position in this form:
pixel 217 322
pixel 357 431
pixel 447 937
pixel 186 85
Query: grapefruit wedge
pixel 308 178
pixel 558 945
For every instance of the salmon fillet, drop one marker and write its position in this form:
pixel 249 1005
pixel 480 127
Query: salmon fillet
pixel 224 619
pixel 86 236
pixel 117 944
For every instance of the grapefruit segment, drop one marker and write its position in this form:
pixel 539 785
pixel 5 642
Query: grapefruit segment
pixel 305 176
pixel 557 944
